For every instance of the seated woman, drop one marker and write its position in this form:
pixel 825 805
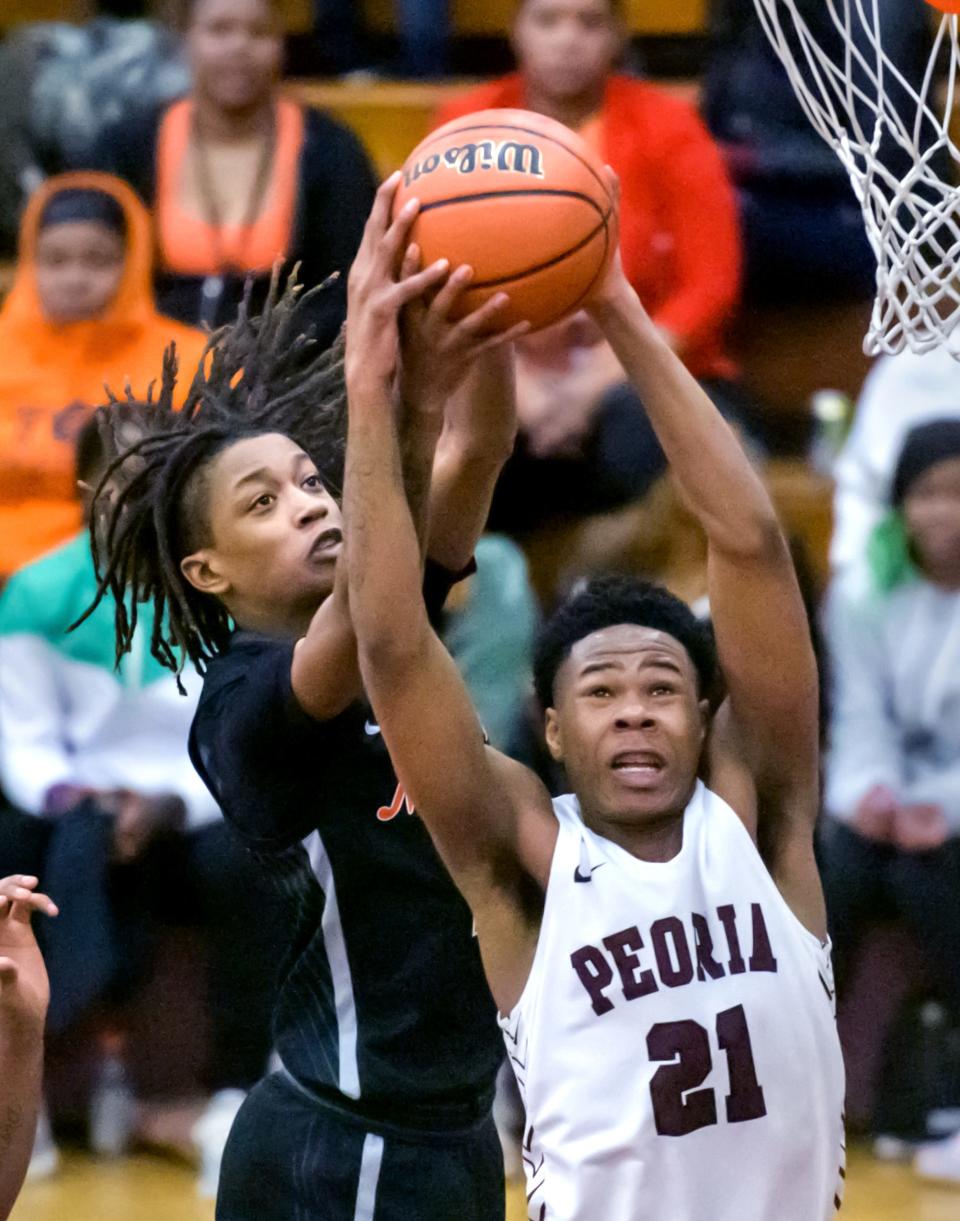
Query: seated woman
pixel 80 316
pixel 584 444
pixel 891 841
pixel 239 176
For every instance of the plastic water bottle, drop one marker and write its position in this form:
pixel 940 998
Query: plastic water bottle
pixel 832 412
pixel 111 1108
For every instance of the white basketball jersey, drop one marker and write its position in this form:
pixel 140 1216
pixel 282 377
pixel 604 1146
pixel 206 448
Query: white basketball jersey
pixel 676 1044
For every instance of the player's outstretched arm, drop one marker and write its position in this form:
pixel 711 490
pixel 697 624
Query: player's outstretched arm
pixel 470 799
pixel 765 752
pixel 457 428
pixel 479 431
pixel 24 996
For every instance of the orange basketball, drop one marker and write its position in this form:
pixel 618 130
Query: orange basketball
pixel 520 198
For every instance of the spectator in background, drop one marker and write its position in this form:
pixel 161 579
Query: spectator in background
pixel 488 625
pixel 61 84
pixel 423 27
pixel 803 231
pixel 238 175
pixel 24 996
pixel 804 236
pixel 680 247
pixel 900 392
pixel 99 755
pixel 892 839
pixel 80 314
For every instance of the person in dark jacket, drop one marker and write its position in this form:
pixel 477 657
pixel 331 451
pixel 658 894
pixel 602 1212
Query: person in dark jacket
pixel 238 175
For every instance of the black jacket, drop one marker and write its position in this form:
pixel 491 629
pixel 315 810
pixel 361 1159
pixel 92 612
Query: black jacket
pixel 336 190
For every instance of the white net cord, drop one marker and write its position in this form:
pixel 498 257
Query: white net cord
pixel 893 137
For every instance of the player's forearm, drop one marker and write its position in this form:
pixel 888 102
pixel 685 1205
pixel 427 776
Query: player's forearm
pixel 480 428
pixel 419 433
pixel 711 469
pixel 384 559
pixel 21 1071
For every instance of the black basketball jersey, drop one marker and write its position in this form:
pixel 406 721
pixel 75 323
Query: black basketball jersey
pixel 382 1003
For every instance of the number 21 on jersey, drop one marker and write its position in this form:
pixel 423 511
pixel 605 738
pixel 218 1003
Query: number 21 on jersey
pixel 679 1106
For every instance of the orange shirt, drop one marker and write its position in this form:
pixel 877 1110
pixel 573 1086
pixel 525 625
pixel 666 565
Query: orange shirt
pixel 52 376
pixel 189 245
pixel 679 234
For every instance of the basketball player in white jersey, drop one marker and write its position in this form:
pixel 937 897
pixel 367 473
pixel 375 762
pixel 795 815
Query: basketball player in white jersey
pixel 655 941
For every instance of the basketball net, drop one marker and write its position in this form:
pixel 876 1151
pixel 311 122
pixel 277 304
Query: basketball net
pixel 863 106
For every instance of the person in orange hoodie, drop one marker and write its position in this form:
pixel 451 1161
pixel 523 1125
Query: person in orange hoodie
pixel 80 316
pixel 584 446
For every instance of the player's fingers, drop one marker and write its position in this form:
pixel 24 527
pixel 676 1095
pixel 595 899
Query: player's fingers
pixel 411 261
pixel 510 336
pixel 26 903
pixel 17 881
pixel 446 298
pixel 379 219
pixel 397 237
pixel 479 321
pixel 613 184
pixel 415 286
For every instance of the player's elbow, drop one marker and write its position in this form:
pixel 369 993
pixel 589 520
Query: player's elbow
pixel 754 536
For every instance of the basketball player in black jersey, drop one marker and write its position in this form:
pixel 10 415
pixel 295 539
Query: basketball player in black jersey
pixel 383 1021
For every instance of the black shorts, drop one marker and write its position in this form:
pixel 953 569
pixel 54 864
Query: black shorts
pixel 289 1158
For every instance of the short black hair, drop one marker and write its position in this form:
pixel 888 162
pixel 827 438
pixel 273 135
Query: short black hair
pixel 609 601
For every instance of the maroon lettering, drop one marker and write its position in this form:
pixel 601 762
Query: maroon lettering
pixel 679 1108
pixel 595 974
pixel 620 946
pixel 703 945
pixel 676 968
pixel 728 918
pixel 745 1100
pixel 762 958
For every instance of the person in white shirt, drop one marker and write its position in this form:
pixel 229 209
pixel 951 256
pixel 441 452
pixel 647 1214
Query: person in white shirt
pixel 95 768
pixel 892 836
pixel 900 391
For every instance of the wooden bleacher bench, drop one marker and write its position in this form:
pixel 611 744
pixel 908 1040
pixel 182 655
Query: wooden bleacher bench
pixel 491 18
pixel 390 117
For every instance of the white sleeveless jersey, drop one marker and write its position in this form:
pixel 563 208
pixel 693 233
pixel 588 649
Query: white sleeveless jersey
pixel 676 1044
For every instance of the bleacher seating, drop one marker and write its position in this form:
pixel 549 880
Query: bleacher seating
pixel 491 18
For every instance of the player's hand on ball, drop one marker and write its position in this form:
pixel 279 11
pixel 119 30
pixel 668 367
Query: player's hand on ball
pixel 24 989
pixel 377 291
pixel 614 287
pixel 439 348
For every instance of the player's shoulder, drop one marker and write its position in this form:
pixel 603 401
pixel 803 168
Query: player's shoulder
pixel 251 670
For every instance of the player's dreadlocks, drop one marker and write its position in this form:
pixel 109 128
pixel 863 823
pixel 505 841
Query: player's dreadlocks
pixel 257 375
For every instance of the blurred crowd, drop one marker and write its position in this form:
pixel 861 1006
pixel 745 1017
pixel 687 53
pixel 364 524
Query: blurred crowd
pixel 150 176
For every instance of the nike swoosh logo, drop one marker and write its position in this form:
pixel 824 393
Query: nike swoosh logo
pixel 579 877
pixel 370 729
